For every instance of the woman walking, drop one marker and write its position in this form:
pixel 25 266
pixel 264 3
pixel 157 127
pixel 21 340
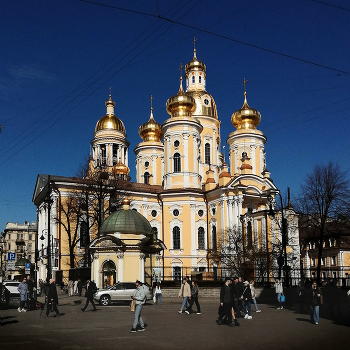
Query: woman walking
pixel 279 292
pixel 252 289
pixel 23 292
pixel 247 299
pixel 158 294
pixel 194 299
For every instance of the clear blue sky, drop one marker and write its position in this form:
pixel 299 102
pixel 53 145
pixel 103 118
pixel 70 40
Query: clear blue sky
pixel 58 59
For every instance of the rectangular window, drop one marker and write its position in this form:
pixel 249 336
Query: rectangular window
pixel 22 236
pixel 30 236
pixel 323 261
pixel 9 246
pixel 177 273
pixel 333 260
pixel 30 246
pixel 313 262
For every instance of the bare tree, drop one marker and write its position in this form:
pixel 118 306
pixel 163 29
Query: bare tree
pixel 323 199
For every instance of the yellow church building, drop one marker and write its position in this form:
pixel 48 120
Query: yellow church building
pixel 193 201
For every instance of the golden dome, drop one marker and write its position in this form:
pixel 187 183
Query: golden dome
pixel 194 64
pixel 120 169
pixel 246 117
pixel 110 121
pixel 181 105
pixel 151 131
pixel 205 104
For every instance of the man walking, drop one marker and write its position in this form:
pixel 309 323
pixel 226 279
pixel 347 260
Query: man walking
pixel 226 303
pixel 91 289
pixel 52 298
pixel 185 293
pixel 140 298
pixel 315 301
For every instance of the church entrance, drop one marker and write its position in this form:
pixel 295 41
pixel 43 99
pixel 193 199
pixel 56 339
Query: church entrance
pixel 109 273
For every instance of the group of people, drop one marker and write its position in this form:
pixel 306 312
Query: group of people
pixel 189 293
pixel 25 289
pixel 236 298
pixel 75 287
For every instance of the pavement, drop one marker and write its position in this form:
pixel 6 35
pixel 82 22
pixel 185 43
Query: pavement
pixel 109 327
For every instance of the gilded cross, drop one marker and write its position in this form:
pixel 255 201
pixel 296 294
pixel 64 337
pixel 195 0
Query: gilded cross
pixel 244 83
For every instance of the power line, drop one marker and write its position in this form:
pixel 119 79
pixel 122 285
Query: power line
pixel 330 5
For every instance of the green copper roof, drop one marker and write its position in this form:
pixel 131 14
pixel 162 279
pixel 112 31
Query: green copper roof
pixel 126 221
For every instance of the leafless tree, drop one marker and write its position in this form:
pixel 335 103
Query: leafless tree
pixel 324 198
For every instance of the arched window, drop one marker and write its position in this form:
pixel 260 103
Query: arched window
pixel 176 237
pixel 146 177
pixel 193 79
pixel 213 238
pixel 207 153
pixel 177 163
pixel 250 234
pixel 201 239
pixel 200 80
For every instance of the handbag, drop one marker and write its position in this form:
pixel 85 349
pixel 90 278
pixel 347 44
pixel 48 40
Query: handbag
pixel 283 298
pixel 132 305
pixel 154 298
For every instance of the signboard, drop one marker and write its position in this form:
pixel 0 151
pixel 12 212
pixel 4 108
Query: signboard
pixel 11 256
pixel 27 271
pixel 11 265
pixel 27 266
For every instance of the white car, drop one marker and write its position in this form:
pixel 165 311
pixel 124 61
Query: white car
pixel 12 288
pixel 121 291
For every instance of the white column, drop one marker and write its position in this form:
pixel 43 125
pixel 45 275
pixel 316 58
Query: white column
pixel 168 155
pixel 193 236
pixel 96 274
pixel 126 156
pixel 214 151
pixel 154 169
pixel 222 215
pixel 120 276
pixel 253 162
pixel 256 234
pixel 142 267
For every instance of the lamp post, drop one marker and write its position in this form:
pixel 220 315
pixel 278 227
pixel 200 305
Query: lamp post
pixel 282 259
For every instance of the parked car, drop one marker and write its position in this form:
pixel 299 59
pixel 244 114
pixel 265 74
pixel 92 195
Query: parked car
pixel 12 286
pixel 121 291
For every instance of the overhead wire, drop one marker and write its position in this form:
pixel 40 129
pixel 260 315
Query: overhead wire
pixel 113 74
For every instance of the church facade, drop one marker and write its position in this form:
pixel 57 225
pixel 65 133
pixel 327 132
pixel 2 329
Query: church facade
pixel 194 201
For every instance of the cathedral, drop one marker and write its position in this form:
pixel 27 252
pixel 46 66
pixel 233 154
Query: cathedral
pixel 192 199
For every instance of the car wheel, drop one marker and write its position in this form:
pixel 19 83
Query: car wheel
pixel 105 300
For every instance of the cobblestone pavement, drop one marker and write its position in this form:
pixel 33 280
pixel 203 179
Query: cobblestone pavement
pixel 109 327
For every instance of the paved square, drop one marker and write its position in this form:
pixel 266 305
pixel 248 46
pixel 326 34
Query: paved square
pixel 109 327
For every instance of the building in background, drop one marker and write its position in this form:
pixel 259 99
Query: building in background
pixel 202 213
pixel 18 239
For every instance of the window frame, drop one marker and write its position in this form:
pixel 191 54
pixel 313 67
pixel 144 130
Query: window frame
pixel 176 241
pixel 177 162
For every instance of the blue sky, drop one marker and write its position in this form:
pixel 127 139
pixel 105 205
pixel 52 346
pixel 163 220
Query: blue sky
pixel 58 59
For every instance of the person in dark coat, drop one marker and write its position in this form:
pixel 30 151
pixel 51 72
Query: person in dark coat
pixel 315 302
pixel 237 292
pixel 226 303
pixel 91 289
pixel 80 287
pixel 52 298
pixel 247 300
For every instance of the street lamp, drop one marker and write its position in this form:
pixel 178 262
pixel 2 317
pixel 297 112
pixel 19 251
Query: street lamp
pixel 280 259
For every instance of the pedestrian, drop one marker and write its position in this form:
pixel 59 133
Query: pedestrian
pixel 194 299
pixel 315 302
pixel 70 288
pixel 240 288
pixel 226 304
pixel 140 298
pixel 185 293
pixel 52 298
pixel 236 302
pixel 247 300
pixel 252 289
pixel 279 292
pixel 23 292
pixel 79 287
pixel 75 287
pixel 301 294
pixel 91 289
pixel 158 293
pixel 30 285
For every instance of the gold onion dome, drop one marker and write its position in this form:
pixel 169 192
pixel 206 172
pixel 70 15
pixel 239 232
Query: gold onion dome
pixel 181 105
pixel 110 121
pixel 121 169
pixel 194 64
pixel 246 117
pixel 151 131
